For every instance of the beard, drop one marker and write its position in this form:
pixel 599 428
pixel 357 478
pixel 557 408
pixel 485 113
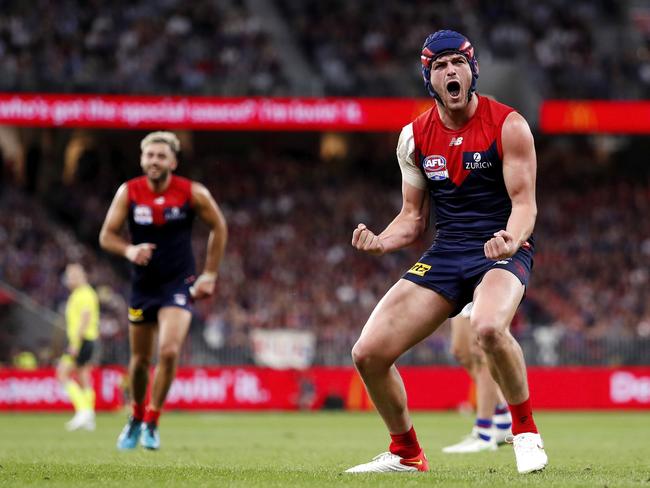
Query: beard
pixel 158 175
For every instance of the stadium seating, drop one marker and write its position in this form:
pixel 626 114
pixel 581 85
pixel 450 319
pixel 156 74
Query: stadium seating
pixel 352 48
pixel 289 263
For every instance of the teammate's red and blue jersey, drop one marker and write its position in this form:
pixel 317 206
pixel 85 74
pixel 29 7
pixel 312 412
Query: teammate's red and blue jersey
pixel 164 219
pixel 464 171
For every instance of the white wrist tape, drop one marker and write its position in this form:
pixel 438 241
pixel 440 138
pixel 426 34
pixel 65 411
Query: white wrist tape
pixel 202 278
pixel 205 277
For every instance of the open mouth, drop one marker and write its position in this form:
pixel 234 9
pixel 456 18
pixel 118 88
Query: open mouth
pixel 453 88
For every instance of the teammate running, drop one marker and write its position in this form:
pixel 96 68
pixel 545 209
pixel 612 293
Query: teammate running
pixel 476 159
pixel 160 208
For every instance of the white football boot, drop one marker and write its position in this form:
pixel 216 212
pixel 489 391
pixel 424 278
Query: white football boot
pixel 388 462
pixel 529 452
pixel 83 419
pixel 471 444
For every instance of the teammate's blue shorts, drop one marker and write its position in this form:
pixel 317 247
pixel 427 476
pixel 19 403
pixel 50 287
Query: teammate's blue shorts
pixel 455 271
pixel 146 301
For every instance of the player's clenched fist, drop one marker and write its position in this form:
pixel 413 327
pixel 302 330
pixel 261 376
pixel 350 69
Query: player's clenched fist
pixel 501 246
pixel 140 254
pixel 365 240
pixel 203 287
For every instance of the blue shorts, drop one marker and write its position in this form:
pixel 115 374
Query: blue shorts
pixel 454 272
pixel 147 300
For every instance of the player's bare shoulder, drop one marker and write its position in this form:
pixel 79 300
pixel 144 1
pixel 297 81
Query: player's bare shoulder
pixel 200 194
pixel 516 136
pixel 122 193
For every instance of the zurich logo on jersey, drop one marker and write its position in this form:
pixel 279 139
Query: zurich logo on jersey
pixel 435 167
pixel 476 160
pixel 174 213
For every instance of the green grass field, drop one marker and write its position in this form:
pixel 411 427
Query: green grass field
pixel 312 449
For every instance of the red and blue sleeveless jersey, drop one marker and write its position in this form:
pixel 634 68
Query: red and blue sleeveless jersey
pixel 463 171
pixel 164 219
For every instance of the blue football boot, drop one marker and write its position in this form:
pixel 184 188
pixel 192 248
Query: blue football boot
pixel 150 439
pixel 130 434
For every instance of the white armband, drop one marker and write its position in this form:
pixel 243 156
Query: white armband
pixel 406 159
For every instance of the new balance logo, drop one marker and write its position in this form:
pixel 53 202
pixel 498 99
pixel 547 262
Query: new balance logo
pixel 456 141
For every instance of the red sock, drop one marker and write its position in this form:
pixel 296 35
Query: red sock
pixel 151 416
pixel 138 411
pixel 522 418
pixel 405 445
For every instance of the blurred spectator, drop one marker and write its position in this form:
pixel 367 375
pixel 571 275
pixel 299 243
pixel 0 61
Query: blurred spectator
pixel 143 47
pixel 25 360
pixel 358 48
pixel 289 263
pixel 365 48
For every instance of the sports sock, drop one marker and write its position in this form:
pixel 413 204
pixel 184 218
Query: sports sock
pixel 501 418
pixel 484 429
pixel 151 416
pixel 89 394
pixel 501 409
pixel 76 395
pixel 138 411
pixel 522 418
pixel 405 445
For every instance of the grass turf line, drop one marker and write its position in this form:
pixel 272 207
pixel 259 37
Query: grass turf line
pixel 312 449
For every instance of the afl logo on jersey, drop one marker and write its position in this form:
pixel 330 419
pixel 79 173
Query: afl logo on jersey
pixel 142 215
pixel 435 167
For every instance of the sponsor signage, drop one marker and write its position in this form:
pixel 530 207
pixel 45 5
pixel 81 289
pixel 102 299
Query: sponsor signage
pixel 291 114
pixel 283 348
pixel 40 390
pixel 209 113
pixel 595 117
pixel 250 388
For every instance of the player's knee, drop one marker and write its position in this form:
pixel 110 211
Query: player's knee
pixel 62 375
pixel 462 355
pixel 366 358
pixel 359 355
pixel 169 353
pixel 489 334
pixel 140 362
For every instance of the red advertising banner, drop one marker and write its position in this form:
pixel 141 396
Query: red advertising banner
pixel 429 388
pixel 209 113
pixel 233 389
pixel 595 117
pixel 40 390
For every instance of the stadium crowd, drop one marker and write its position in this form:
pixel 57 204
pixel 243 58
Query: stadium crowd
pixel 289 263
pixel 364 47
pixel 356 48
pixel 143 47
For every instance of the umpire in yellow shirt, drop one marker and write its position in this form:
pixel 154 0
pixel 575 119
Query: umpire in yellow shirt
pixel 82 324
